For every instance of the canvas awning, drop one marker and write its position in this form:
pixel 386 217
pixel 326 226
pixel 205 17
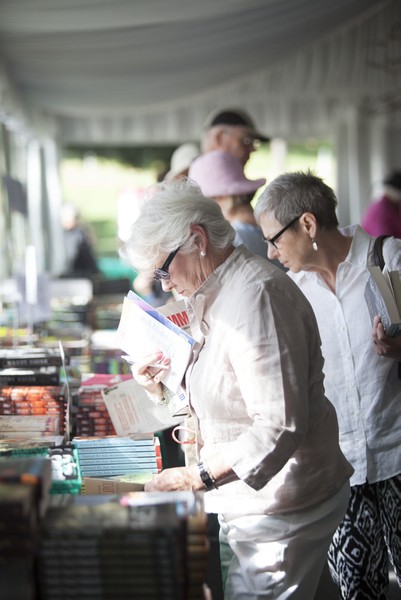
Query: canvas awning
pixel 150 71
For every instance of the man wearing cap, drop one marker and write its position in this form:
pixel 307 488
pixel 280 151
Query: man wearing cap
pixel 383 217
pixel 232 131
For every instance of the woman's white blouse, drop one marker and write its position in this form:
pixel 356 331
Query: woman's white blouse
pixel 256 387
pixel 364 387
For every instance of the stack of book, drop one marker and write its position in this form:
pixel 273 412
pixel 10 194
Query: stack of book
pixel 30 366
pixel 116 456
pixel 91 415
pixel 24 486
pixel 32 412
pixel 123 548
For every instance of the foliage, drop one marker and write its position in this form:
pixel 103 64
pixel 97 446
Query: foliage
pixel 95 178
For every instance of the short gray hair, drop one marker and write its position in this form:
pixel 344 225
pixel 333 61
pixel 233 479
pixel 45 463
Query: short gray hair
pixel 292 194
pixel 164 223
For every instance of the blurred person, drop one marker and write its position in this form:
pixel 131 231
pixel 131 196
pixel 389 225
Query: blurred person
pixel 221 176
pixel 297 213
pixel 181 160
pixel 383 216
pixel 80 256
pixel 268 455
pixel 233 131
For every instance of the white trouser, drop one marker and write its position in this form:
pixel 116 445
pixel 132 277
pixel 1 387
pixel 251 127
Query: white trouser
pixel 278 556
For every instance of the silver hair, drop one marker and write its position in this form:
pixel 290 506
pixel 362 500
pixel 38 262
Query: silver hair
pixel 292 194
pixel 164 223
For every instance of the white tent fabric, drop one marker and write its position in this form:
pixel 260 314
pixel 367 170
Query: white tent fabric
pixel 150 71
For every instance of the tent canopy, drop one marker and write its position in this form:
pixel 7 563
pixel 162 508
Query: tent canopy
pixel 150 71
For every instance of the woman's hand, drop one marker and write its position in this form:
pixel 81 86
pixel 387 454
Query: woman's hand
pixel 176 479
pixel 385 345
pixel 188 478
pixel 149 370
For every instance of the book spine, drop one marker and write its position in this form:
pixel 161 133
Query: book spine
pixel 37 424
pixel 31 362
pixel 34 379
pixel 102 472
pixel 122 453
pixel 105 443
pixel 106 460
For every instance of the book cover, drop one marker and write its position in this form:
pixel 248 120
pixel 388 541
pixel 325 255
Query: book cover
pixel 143 330
pixel 132 412
pixel 380 301
pixel 177 313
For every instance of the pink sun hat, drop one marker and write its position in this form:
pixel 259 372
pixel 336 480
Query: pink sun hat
pixel 220 173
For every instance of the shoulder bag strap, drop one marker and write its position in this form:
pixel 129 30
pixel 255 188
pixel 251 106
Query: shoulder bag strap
pixel 378 251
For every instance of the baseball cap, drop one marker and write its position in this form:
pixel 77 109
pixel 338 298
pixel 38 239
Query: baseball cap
pixel 394 180
pixel 220 173
pixel 181 159
pixel 235 117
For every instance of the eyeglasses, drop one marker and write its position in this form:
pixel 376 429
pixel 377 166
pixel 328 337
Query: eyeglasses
pixel 247 140
pixel 162 273
pixel 274 239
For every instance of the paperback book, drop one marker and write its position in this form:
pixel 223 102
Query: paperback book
pixel 143 330
pixel 133 413
pixel 383 298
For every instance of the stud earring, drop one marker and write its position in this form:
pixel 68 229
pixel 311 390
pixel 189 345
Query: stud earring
pixel 202 253
pixel 314 245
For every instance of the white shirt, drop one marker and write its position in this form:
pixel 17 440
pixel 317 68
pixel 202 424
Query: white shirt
pixel 364 387
pixel 256 387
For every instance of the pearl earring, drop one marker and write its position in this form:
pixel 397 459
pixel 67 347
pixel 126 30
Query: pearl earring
pixel 202 253
pixel 314 245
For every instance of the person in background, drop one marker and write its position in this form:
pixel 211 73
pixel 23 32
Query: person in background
pixel 220 176
pixel 181 160
pixel 233 131
pixel 297 213
pixel 383 217
pixel 266 435
pixel 80 256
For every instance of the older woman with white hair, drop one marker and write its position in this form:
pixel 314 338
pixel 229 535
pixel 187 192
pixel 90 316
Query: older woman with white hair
pixel 267 437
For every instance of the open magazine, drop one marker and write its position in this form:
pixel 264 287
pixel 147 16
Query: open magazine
pixel 144 330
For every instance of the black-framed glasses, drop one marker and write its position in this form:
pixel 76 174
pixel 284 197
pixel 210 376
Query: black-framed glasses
pixel 274 239
pixel 162 273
